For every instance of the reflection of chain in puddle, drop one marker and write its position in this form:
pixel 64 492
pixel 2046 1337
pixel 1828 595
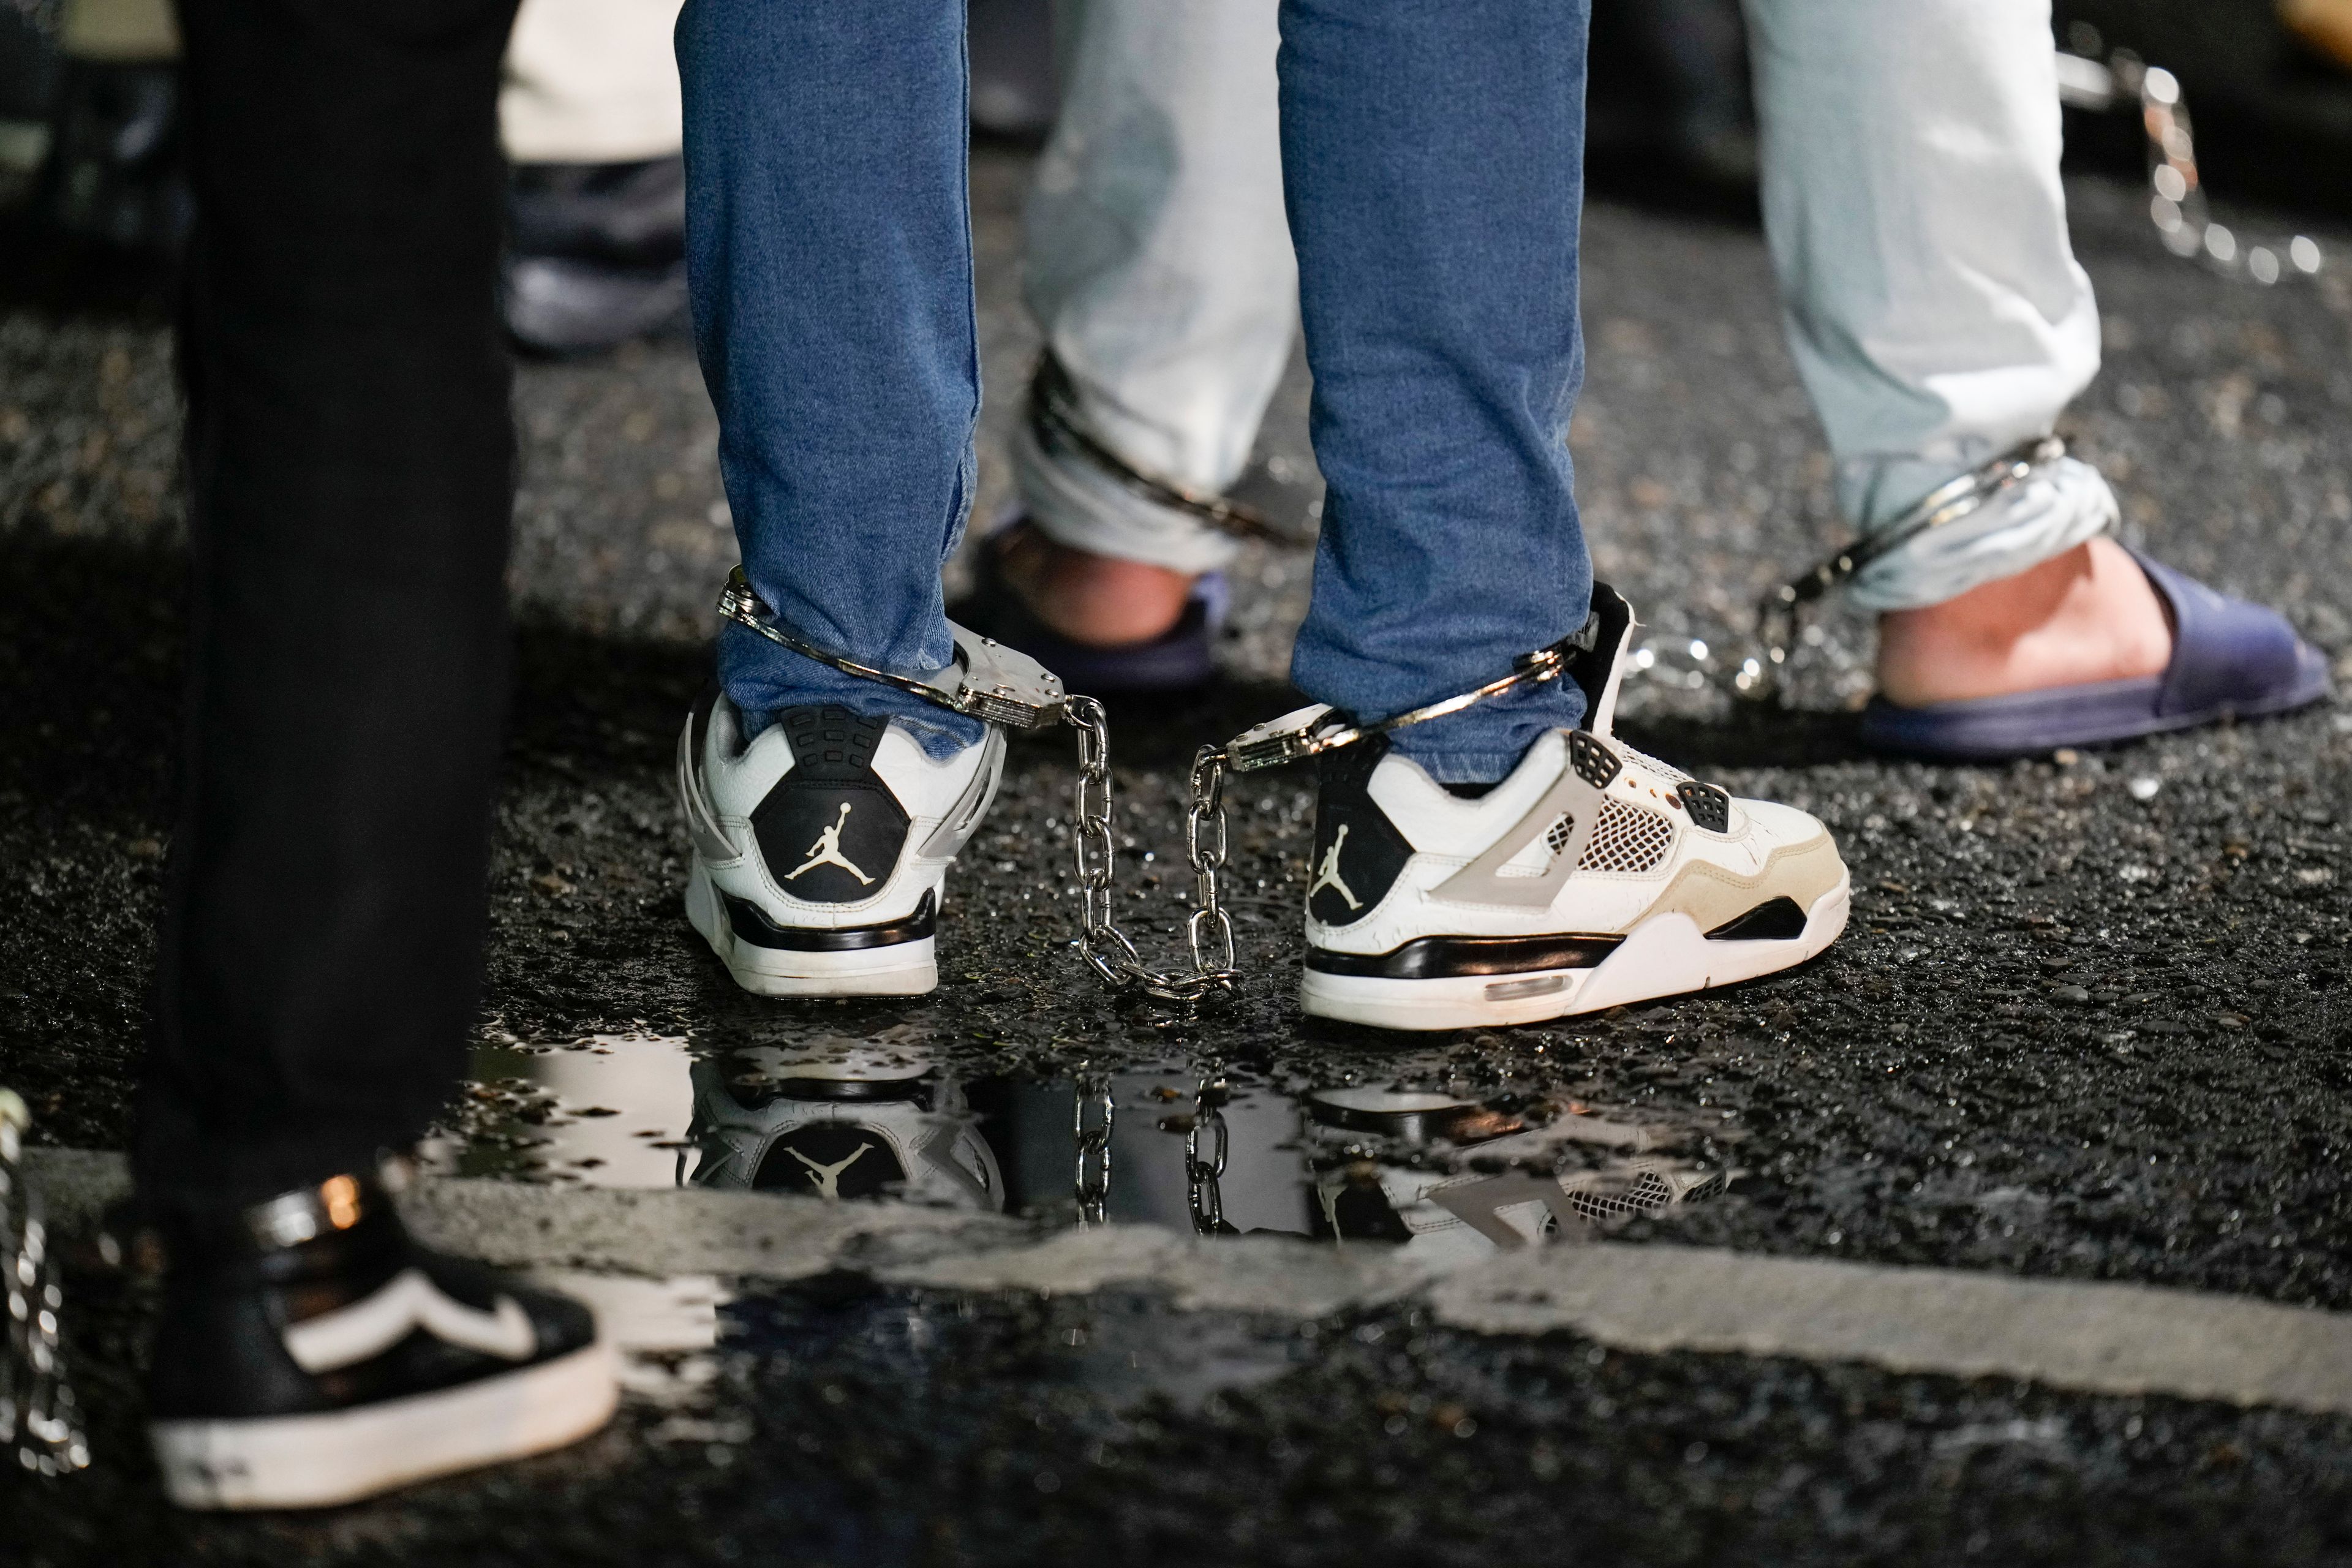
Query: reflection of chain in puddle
pixel 841 1120
pixel 1092 1114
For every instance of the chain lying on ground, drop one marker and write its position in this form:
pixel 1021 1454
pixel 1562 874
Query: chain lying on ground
pixel 1210 929
pixel 37 1417
pixel 994 683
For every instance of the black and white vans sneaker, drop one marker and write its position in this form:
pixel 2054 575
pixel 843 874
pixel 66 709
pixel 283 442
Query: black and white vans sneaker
pixel 1591 877
pixel 820 846
pixel 311 1354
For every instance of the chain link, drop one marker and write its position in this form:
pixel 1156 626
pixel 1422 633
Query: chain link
pixel 1204 1173
pixel 37 1415
pixel 1092 1185
pixel 1107 950
pixel 2126 83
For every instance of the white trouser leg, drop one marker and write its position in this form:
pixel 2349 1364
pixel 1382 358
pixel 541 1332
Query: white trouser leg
pixel 591 81
pixel 1160 264
pixel 1912 200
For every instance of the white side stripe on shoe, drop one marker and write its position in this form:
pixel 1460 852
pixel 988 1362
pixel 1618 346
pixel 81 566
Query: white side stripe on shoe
pixel 368 1328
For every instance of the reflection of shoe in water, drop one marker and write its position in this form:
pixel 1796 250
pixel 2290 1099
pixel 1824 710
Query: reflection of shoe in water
pixel 595 253
pixel 839 1129
pixel 1442 1207
pixel 820 846
pixel 1591 877
pixel 309 1353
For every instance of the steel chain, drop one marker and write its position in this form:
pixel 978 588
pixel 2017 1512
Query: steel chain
pixel 1204 1190
pixel 1107 950
pixel 1091 1186
pixel 37 1416
pixel 2125 83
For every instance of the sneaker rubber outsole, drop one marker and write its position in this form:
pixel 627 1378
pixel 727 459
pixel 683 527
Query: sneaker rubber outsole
pixel 902 969
pixel 1665 955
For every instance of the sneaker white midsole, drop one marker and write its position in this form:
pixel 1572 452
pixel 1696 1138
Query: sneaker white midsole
pixel 1665 955
pixel 901 969
pixel 317 1461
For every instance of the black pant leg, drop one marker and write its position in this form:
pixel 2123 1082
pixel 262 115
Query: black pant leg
pixel 350 459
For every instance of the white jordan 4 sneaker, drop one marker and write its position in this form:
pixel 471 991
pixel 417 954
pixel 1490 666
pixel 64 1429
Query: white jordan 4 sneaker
pixel 1593 876
pixel 821 848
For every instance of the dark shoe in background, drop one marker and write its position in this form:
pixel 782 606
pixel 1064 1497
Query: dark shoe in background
pixel 1014 89
pixel 596 254
pixel 113 173
pixel 29 68
pixel 1671 116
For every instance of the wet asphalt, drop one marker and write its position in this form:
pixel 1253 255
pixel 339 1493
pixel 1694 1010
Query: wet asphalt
pixel 2093 1017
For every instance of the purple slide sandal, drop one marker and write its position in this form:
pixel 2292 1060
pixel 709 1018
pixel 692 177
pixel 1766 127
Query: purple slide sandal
pixel 2230 659
pixel 1181 659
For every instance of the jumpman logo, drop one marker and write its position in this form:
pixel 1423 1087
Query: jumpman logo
pixel 1329 876
pixel 827 1178
pixel 826 851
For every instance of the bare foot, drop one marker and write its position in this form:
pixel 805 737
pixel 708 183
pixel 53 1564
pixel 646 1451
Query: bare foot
pixel 2089 614
pixel 1098 600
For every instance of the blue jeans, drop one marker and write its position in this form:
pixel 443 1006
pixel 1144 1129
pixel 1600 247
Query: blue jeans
pixel 1432 155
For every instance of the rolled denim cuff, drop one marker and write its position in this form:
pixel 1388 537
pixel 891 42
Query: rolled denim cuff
pixel 1076 504
pixel 2062 505
pixel 763 680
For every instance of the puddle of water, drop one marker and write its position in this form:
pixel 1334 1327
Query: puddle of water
pixel 882 1119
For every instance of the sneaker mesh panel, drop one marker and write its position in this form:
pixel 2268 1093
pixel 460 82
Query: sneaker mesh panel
pixel 1641 1190
pixel 1561 833
pixel 1665 771
pixel 1626 838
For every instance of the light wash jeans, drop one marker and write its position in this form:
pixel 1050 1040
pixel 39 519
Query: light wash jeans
pixel 1159 262
pixel 1911 200
pixel 829 251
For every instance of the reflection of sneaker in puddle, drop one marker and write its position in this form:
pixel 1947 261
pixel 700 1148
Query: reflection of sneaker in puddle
pixel 1510 1196
pixel 309 1353
pixel 822 845
pixel 1591 877
pixel 838 1131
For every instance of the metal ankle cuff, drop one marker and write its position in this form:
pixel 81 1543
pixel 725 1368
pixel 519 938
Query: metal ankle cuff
pixel 1059 429
pixel 1780 616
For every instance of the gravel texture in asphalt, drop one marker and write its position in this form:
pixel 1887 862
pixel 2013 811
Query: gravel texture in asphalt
pixel 2092 1019
pixel 840 1424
